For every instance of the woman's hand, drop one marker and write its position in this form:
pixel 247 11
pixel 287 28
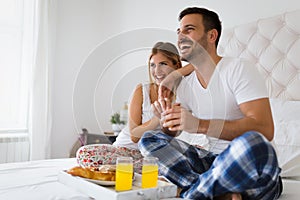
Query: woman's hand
pixel 159 107
pixel 168 86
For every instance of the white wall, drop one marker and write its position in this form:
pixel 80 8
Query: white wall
pixel 102 48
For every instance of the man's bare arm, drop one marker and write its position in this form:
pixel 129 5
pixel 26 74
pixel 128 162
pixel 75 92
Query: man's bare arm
pixel 257 117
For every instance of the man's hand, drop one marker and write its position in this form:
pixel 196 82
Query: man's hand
pixel 179 119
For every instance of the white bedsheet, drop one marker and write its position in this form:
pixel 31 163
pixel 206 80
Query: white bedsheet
pixel 38 180
pixel 291 189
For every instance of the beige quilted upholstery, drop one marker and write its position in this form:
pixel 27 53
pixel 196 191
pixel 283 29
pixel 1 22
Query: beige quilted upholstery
pixel 273 44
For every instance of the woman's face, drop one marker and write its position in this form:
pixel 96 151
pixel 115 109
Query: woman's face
pixel 160 67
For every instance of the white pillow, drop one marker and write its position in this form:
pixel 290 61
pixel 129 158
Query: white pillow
pixel 286 116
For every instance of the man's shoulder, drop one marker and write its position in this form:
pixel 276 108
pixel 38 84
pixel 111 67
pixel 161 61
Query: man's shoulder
pixel 235 65
pixel 186 85
pixel 230 62
pixel 187 80
pixel 190 77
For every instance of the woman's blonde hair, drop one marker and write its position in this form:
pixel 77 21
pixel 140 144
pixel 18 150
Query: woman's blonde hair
pixel 167 49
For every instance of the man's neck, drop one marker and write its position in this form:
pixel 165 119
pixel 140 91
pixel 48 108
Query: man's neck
pixel 205 67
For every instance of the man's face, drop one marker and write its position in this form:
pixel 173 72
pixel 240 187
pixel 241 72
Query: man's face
pixel 192 39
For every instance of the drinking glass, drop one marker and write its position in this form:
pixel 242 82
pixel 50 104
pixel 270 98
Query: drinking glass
pixel 149 172
pixel 124 173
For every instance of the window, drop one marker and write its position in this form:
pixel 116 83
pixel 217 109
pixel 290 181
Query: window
pixel 15 62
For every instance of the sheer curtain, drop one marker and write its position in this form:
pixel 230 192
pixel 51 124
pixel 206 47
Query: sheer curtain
pixel 41 111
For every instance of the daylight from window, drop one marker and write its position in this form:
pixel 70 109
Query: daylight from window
pixel 14 68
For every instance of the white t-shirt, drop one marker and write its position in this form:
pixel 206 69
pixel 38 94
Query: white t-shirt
pixel 233 82
pixel 123 138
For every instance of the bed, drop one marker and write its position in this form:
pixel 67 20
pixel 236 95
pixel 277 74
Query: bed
pixel 273 44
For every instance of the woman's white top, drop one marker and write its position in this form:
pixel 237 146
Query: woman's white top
pixel 123 138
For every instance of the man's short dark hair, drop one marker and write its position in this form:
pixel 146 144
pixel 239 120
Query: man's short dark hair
pixel 210 19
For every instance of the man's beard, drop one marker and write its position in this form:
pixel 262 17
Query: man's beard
pixel 198 49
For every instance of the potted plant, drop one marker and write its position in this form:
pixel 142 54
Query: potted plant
pixel 116 123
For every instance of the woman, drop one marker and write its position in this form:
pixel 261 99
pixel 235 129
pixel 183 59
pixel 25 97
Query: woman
pixel 163 60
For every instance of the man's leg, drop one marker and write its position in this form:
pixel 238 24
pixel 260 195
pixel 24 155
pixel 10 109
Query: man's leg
pixel 179 162
pixel 248 166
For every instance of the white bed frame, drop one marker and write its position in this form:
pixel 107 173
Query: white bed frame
pixel 273 44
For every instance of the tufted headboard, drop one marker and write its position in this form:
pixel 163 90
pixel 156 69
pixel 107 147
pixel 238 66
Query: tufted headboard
pixel 273 44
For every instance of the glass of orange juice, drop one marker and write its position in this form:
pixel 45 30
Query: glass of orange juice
pixel 124 172
pixel 149 172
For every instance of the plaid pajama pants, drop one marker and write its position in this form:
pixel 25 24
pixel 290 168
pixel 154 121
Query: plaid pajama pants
pixel 248 166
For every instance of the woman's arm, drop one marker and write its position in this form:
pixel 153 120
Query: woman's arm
pixel 186 70
pixel 172 80
pixel 136 127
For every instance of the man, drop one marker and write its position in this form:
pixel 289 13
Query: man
pixel 224 99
